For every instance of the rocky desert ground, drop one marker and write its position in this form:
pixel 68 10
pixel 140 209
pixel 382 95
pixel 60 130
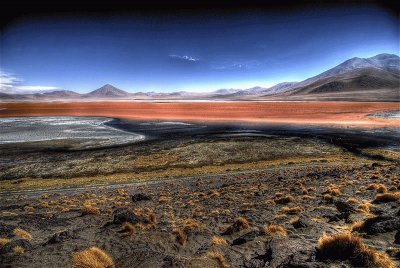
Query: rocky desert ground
pixel 195 195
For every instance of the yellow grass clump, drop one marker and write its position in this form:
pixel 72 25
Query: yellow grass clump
pixel 239 224
pixel 190 225
pixel 219 241
pixel 292 210
pixel 345 246
pixel 219 257
pixel 285 199
pixel 128 228
pixel 180 236
pixel 90 210
pixel 18 250
pixel 387 197
pixel 4 241
pixel 22 233
pixel 274 229
pixel 91 258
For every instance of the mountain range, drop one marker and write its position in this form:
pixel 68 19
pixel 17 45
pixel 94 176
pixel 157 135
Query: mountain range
pixel 358 79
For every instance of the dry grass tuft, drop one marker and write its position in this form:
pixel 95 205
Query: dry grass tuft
pixel 91 258
pixel 22 233
pixel 219 241
pixel 219 257
pixel 285 199
pixel 190 225
pixel 345 246
pixel 292 210
pixel 274 229
pixel 180 236
pixel 239 224
pixel 153 219
pixel 18 250
pixel 357 226
pixel 164 199
pixel 4 241
pixel 128 228
pixel 387 197
pixel 352 200
pixel 90 210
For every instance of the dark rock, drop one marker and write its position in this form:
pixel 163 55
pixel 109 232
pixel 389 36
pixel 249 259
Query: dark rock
pixel 25 244
pixel 303 222
pixel 344 209
pixel 290 253
pixel 140 197
pixel 6 230
pixel 59 237
pixel 172 262
pixel 245 238
pixel 144 257
pixel 122 215
pixel 397 237
pixel 381 224
pixel 257 262
pixel 376 210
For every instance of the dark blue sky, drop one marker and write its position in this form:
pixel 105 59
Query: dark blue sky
pixel 197 52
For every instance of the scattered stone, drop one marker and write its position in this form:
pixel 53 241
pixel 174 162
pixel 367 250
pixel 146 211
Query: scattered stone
pixel 140 197
pixel 250 236
pixel 397 237
pixel 6 230
pixel 290 253
pixel 25 244
pixel 122 215
pixel 344 208
pixel 302 222
pixel 381 224
pixel 59 237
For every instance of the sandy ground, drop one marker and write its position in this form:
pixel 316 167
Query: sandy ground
pixel 325 113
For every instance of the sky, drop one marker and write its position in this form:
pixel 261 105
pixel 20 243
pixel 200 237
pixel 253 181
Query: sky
pixel 196 52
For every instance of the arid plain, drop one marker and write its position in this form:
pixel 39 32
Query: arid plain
pixel 211 184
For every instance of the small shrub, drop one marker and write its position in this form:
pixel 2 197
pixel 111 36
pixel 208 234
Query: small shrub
pixel 238 225
pixel 164 199
pixel 387 197
pixel 219 257
pixel 352 200
pixel 90 210
pixel 22 233
pixel 292 210
pixel 345 246
pixel 180 236
pixel 274 229
pixel 190 225
pixel 29 209
pixel 4 241
pixel 285 200
pixel 18 250
pixel 219 241
pixel 329 198
pixel 91 258
pixel 128 228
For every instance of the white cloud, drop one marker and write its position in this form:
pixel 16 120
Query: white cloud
pixel 246 65
pixel 10 84
pixel 184 57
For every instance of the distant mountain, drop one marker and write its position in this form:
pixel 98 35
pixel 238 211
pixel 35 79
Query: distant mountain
pixel 384 64
pixel 107 91
pixel 62 94
pixel 367 79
